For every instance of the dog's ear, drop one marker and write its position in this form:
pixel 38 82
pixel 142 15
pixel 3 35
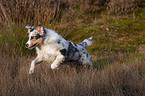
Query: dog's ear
pixel 29 28
pixel 40 28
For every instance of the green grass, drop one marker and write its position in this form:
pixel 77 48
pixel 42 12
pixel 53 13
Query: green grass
pixel 111 33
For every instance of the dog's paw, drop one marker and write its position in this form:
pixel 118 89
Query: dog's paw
pixel 53 66
pixel 31 71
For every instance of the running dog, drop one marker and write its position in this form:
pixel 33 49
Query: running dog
pixel 52 47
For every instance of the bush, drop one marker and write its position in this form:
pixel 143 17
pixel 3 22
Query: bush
pixel 48 10
pixel 123 6
pixel 43 10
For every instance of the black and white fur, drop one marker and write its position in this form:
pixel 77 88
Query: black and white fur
pixel 52 47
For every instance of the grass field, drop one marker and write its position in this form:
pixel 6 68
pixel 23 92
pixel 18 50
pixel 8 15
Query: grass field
pixel 118 49
pixel 118 75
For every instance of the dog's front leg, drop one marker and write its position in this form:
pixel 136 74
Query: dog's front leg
pixel 57 61
pixel 33 63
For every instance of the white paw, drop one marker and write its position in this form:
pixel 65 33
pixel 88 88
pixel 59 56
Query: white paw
pixel 31 71
pixel 54 66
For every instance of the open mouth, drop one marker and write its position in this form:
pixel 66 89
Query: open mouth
pixel 32 46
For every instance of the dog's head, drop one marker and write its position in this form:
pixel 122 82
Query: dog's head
pixel 36 36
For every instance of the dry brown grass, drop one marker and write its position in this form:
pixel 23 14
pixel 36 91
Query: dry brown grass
pixel 116 79
pixel 36 11
pixel 123 6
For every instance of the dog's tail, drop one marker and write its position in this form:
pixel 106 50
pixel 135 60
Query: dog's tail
pixel 86 42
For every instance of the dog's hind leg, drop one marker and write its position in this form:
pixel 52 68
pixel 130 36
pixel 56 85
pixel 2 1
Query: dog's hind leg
pixel 59 59
pixel 86 61
pixel 33 63
pixel 91 65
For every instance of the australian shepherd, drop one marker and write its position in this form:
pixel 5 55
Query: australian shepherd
pixel 50 46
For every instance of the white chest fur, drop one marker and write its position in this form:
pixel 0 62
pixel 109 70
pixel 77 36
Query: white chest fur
pixel 47 53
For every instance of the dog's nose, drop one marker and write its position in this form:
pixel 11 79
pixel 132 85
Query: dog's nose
pixel 26 45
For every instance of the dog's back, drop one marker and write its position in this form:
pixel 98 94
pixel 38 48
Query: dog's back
pixel 78 52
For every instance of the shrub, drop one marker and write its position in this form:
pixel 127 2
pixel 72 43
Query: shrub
pixel 43 10
pixel 48 10
pixel 123 6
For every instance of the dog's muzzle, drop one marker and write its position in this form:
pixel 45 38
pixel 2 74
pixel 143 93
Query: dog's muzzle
pixel 26 45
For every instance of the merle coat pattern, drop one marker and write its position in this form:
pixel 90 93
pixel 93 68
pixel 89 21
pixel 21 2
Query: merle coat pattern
pixel 52 47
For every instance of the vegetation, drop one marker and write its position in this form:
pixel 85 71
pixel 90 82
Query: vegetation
pixel 120 76
pixel 118 49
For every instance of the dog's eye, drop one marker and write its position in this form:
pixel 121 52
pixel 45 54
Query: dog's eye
pixel 34 38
